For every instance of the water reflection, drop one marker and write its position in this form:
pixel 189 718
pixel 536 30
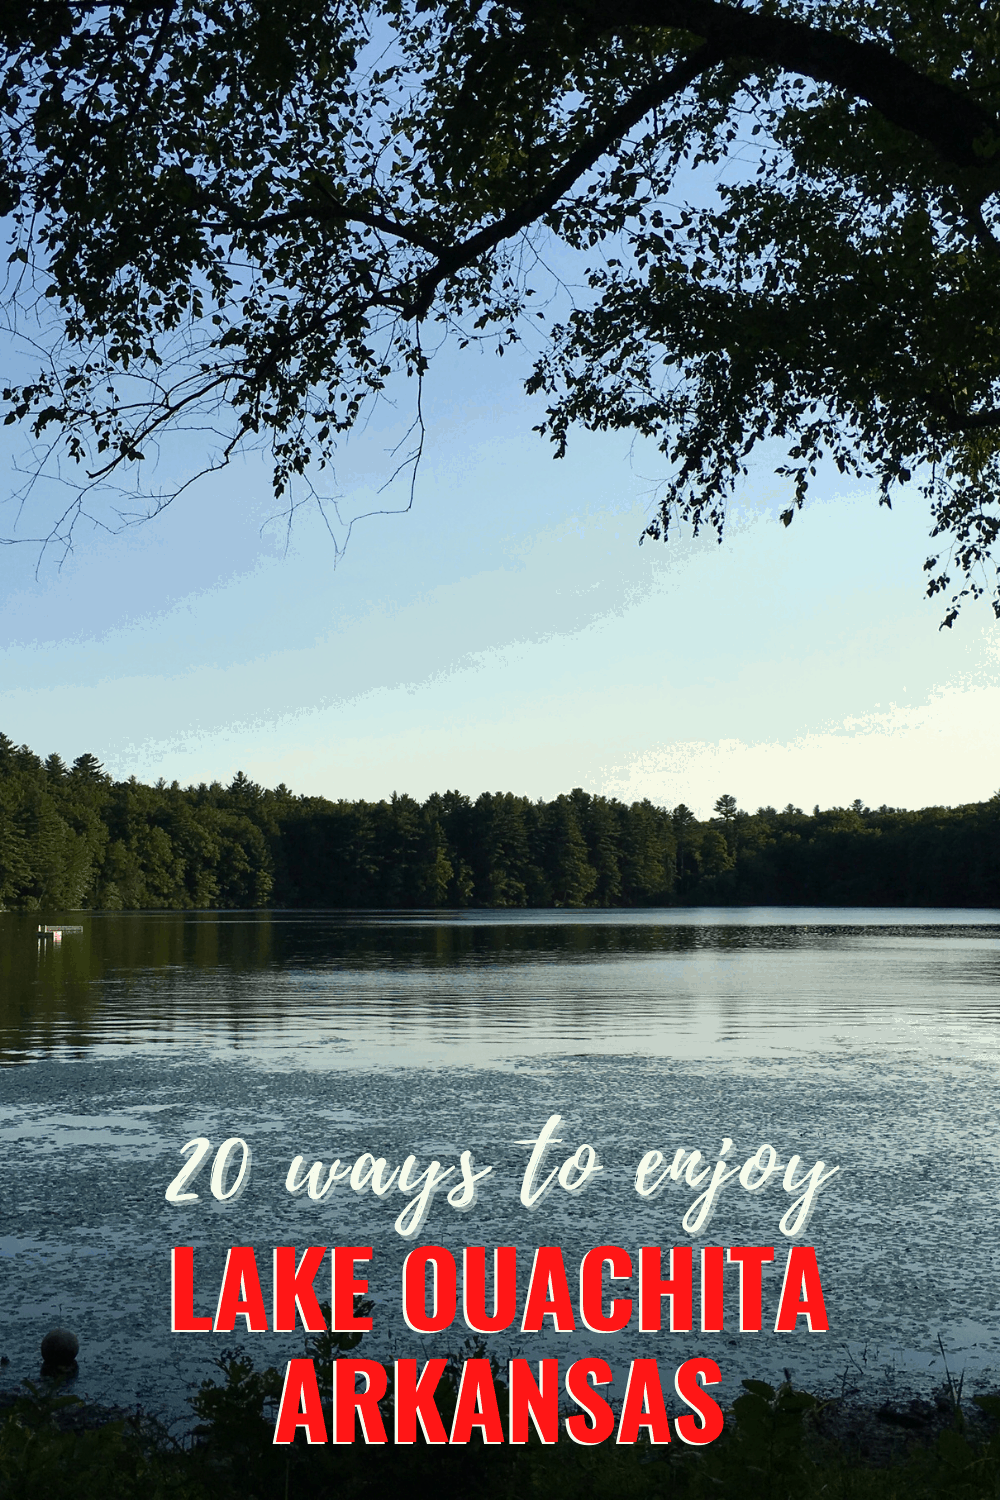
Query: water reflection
pixel 342 989
pixel 866 1039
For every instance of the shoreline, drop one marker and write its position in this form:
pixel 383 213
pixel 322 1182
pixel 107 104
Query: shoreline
pixel 867 1432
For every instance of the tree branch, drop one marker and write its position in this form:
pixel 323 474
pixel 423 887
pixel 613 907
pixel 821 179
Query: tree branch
pixel 961 130
pixel 981 231
pixel 973 421
pixel 658 91
pixel 332 208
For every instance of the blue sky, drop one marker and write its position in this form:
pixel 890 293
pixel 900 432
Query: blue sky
pixel 508 633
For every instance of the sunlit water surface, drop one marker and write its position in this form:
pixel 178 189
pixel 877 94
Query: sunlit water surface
pixel 867 1039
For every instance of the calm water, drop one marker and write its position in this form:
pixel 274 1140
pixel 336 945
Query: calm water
pixel 867 1039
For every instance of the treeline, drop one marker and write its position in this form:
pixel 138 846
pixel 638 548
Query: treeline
pixel 72 838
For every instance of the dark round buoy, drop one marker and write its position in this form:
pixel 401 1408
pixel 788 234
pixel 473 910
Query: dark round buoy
pixel 60 1348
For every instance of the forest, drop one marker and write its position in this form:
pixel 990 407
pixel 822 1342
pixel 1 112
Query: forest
pixel 73 838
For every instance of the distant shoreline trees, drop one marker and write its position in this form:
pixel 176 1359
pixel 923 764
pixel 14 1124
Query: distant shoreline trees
pixel 72 838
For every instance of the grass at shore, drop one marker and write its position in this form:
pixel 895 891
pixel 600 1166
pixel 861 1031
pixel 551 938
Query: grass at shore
pixel 777 1445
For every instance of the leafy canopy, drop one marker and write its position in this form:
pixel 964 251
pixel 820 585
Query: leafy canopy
pixel 248 217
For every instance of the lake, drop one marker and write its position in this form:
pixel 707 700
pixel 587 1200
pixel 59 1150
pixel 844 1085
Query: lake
pixel 865 1039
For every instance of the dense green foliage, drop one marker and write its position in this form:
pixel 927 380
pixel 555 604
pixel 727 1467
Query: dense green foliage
pixel 72 838
pixel 726 225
